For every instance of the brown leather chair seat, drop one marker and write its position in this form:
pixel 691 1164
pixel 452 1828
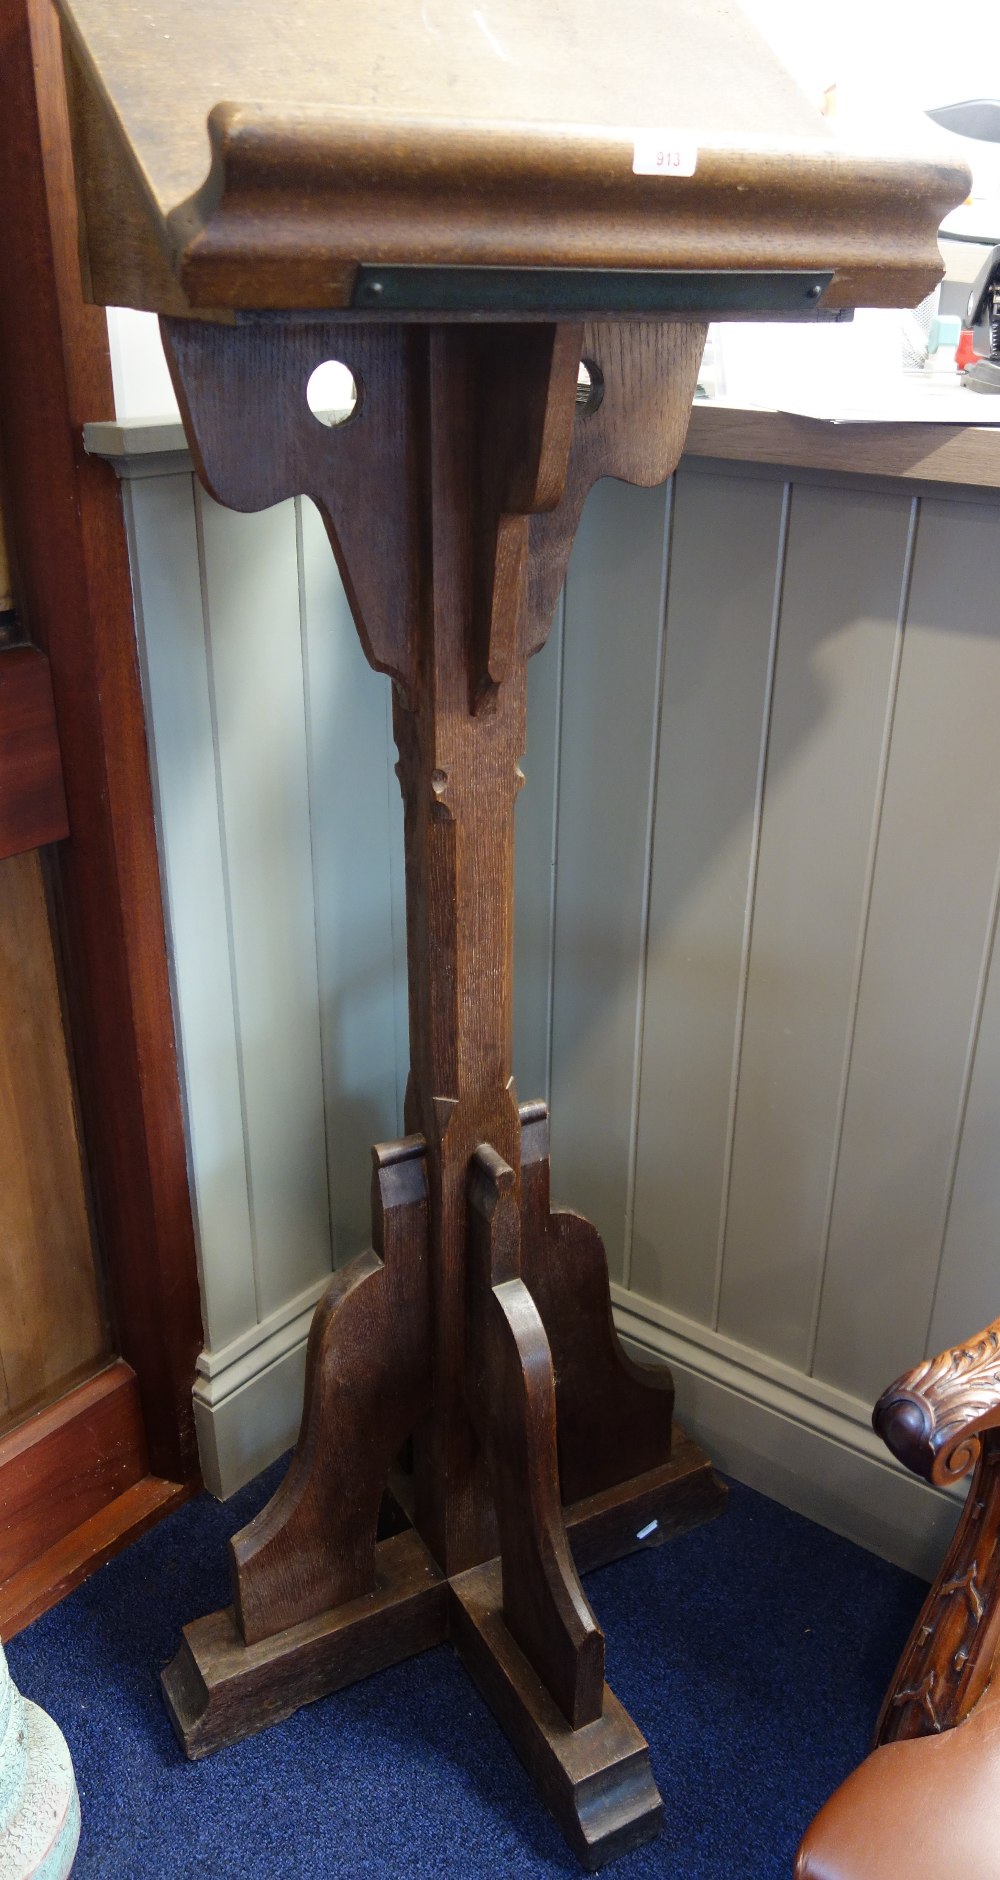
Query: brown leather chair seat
pixel 926 1803
pixel 927 1808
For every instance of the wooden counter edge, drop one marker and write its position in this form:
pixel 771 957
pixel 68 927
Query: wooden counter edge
pixel 935 453
pixel 930 453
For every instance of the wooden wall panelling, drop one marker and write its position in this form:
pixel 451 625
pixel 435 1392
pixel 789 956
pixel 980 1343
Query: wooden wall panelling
pixel 252 622
pixel 726 565
pixel 176 676
pixel 52 1326
pixel 32 800
pixel 803 1438
pixel 927 941
pixel 68 542
pixel 845 567
pixel 611 677
pixel 535 853
pixel 356 823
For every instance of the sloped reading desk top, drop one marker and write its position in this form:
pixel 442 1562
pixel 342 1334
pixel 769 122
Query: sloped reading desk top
pixel 415 158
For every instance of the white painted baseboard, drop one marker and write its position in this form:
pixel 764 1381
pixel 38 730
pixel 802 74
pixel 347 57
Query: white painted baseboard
pixel 248 1395
pixel 809 1446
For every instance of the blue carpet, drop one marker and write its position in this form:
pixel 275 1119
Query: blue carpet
pixel 752 1653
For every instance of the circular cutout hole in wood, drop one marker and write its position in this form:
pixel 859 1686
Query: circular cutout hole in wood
pixel 589 388
pixel 332 393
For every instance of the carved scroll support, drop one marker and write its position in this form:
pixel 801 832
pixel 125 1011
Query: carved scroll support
pixel 943 1420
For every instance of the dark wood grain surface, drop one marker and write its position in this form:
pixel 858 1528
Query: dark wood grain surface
pixel 480 1319
pixel 219 1689
pixel 67 539
pixel 511 1391
pixel 59 1467
pixel 942 1419
pixel 53 1321
pixel 84 1549
pixel 923 1802
pixel 32 800
pixel 398 136
pixel 367 1384
pixel 597 1781
pixel 608 1405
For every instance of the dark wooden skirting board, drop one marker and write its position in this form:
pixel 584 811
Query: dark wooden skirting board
pixel 32 800
pixel 74 1488
pixel 64 1463
pixel 86 1548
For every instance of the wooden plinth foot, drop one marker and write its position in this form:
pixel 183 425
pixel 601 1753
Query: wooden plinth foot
pixel 596 1780
pixel 660 1505
pixel 219 1689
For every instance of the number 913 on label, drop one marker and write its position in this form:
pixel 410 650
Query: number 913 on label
pixel 664 153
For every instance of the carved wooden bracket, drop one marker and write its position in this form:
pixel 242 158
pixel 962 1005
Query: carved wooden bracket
pixel 531 452
pixel 942 1419
pixel 932 1417
pixel 242 395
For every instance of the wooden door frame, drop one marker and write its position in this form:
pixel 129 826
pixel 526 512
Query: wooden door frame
pixel 73 591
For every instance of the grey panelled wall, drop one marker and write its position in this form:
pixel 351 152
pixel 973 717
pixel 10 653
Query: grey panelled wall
pixel 757 896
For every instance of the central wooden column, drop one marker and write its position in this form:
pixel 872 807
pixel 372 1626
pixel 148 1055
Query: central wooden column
pixel 459 748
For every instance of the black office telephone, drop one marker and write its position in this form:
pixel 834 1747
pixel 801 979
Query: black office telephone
pixel 984 305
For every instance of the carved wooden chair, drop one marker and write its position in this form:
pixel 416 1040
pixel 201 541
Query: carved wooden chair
pixel 925 1805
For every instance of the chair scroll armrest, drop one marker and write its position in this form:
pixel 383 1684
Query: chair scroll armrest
pixel 933 1417
pixel 943 1419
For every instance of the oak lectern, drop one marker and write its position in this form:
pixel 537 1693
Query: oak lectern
pixel 463 205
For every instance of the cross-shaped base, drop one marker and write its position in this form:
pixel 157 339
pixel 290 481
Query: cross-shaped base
pixel 320 1602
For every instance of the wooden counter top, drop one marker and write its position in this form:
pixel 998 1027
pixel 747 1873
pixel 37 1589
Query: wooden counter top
pixel 936 453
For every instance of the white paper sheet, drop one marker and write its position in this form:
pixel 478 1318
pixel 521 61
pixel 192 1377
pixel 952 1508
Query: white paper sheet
pixel 926 402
